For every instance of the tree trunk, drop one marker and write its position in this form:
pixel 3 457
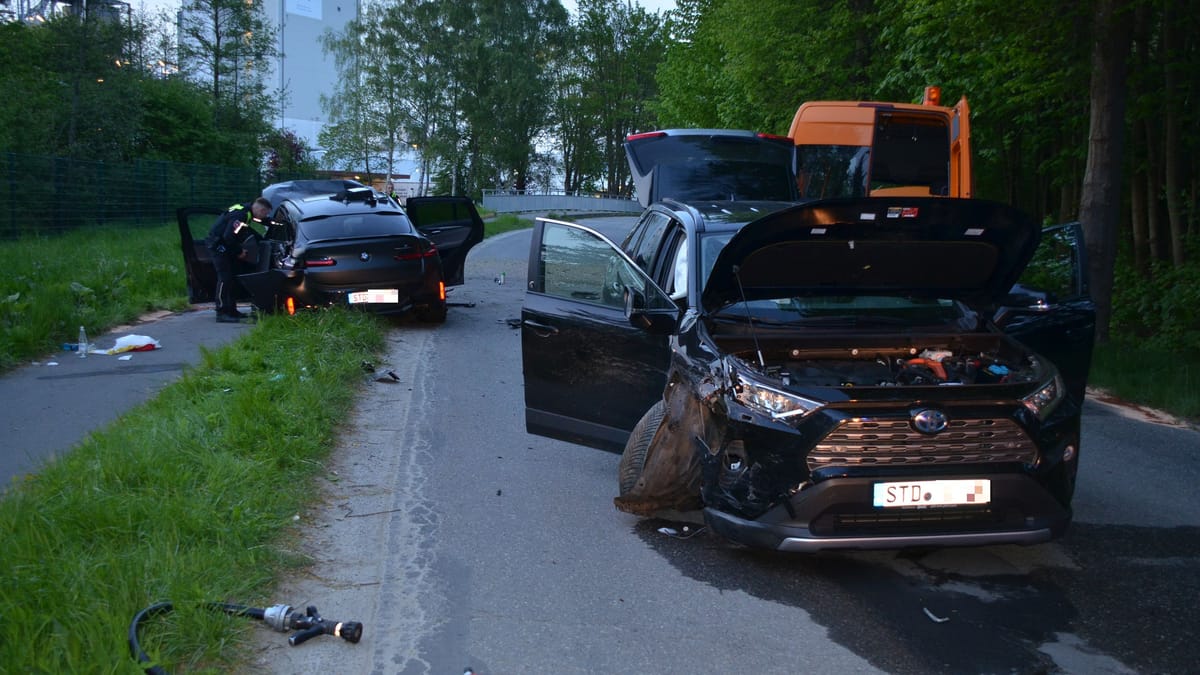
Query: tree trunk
pixel 1137 223
pixel 1172 186
pixel 1100 201
pixel 1153 190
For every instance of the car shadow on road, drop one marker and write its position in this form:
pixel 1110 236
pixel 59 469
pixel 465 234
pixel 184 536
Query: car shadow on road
pixel 987 609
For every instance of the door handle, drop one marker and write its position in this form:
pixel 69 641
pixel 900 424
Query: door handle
pixel 540 329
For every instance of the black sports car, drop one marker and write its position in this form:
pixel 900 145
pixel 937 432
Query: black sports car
pixel 857 373
pixel 343 243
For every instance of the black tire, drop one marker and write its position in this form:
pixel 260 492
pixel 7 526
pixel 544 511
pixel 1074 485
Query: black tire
pixel 633 459
pixel 432 315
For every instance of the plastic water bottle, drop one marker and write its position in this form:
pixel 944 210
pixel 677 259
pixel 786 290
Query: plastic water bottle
pixel 83 343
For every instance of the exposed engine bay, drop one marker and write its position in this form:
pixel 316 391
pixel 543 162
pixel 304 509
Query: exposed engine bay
pixel 939 361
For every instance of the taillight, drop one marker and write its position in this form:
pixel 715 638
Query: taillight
pixel 320 262
pixel 290 304
pixel 442 291
pixel 648 134
pixel 427 253
pixel 774 137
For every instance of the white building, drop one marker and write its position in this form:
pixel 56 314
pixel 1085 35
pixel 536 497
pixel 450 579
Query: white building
pixel 302 70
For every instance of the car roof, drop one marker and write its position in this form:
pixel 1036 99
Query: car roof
pixel 720 216
pixel 353 201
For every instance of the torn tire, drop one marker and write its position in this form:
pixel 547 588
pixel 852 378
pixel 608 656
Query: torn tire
pixel 633 459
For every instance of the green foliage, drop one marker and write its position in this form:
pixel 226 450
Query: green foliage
pixel 1160 310
pixel 187 499
pixel 89 89
pixel 179 124
pixel 286 155
pixel 749 64
pixel 505 223
pixel 609 71
pixel 1149 375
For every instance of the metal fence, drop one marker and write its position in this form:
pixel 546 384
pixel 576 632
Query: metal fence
pixel 517 201
pixel 43 195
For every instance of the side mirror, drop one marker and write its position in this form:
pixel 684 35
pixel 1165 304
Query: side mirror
pixel 657 321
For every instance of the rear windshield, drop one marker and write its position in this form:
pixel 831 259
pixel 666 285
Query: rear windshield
pixel 716 166
pixel 377 224
pixel 719 180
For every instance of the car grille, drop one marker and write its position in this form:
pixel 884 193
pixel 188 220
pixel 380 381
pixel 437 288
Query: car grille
pixel 926 521
pixel 858 442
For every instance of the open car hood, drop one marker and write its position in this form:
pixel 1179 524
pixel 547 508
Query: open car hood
pixel 964 249
pixel 711 164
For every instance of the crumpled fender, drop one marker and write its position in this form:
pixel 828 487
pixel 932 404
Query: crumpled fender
pixel 670 478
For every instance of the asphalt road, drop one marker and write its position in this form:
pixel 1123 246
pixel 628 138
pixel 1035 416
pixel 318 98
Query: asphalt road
pixel 54 402
pixel 461 541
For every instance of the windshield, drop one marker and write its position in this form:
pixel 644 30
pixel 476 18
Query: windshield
pixel 710 248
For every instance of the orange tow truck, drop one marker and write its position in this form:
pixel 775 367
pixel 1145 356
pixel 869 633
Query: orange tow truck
pixel 865 148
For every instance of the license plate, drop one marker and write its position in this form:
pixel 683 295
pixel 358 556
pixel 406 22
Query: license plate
pixel 933 493
pixel 376 295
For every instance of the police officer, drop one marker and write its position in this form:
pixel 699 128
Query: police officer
pixel 227 242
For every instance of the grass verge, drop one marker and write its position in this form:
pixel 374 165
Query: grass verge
pixel 187 498
pixel 97 277
pixel 506 222
pixel 1166 381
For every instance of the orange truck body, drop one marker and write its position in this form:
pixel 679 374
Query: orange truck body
pixel 866 148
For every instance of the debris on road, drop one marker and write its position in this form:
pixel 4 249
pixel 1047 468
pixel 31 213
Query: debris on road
pixel 934 618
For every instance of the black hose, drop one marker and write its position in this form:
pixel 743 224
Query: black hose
pixel 135 647
pixel 282 618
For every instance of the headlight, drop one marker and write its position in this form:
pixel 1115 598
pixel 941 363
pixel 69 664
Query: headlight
pixel 1043 401
pixel 776 403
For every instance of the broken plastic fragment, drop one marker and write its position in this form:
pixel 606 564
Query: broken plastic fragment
pixel 935 618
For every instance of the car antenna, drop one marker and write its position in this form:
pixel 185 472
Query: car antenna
pixel 737 269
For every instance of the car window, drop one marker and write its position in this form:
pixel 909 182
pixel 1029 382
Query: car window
pixel 825 171
pixel 710 248
pixel 677 272
pixel 357 225
pixel 578 265
pixel 655 226
pixel 1057 267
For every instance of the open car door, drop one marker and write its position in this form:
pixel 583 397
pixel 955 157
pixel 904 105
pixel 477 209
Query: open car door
pixel 1050 309
pixel 454 226
pixel 591 366
pixel 194 224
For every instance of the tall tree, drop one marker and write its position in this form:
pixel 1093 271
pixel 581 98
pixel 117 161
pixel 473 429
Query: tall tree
pixel 1099 207
pixel 619 48
pixel 358 128
pixel 227 44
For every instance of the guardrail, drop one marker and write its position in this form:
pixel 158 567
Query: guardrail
pixel 517 201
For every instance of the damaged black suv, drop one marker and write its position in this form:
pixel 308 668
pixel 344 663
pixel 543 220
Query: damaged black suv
pixel 858 373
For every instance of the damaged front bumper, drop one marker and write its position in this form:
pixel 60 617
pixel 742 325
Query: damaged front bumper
pixel 837 514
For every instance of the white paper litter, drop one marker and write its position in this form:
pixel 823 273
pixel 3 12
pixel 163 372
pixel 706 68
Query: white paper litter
pixel 129 343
